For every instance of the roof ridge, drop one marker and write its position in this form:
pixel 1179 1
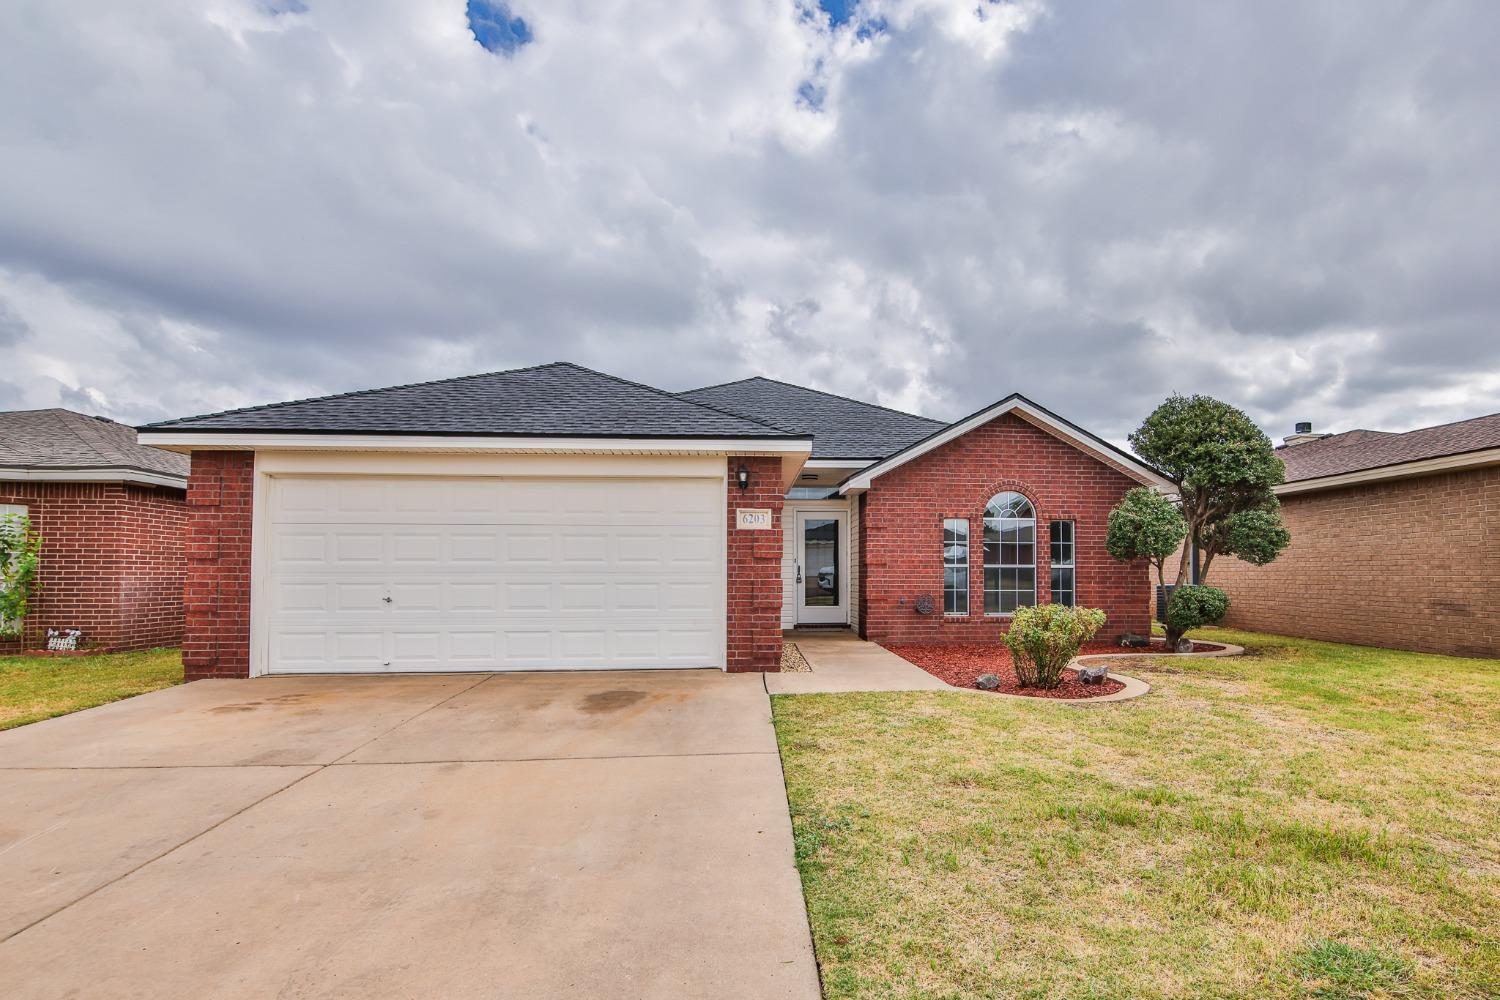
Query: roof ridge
pixel 820 392
pixel 678 397
pixel 68 424
pixel 364 392
pixel 1434 427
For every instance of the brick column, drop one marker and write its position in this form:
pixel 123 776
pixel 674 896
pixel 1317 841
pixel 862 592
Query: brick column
pixel 216 598
pixel 753 601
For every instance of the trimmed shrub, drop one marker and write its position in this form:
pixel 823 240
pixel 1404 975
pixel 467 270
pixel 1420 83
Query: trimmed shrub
pixel 1194 606
pixel 20 554
pixel 1043 639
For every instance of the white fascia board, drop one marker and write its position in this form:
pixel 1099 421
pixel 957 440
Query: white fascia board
pixel 860 482
pixel 101 475
pixel 188 442
pixel 839 463
pixel 1405 470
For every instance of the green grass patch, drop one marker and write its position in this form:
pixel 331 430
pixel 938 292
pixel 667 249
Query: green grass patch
pixel 1310 821
pixel 33 688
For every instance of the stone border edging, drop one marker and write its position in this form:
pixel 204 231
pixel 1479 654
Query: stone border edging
pixel 1134 686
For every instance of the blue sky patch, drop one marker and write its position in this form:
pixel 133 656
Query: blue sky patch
pixel 838 11
pixel 496 28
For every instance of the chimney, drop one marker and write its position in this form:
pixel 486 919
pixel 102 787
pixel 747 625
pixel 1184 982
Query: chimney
pixel 1303 434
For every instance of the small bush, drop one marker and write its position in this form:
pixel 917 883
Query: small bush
pixel 1043 639
pixel 20 555
pixel 1192 607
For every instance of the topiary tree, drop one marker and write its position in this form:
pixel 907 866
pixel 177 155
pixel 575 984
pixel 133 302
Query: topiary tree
pixel 20 554
pixel 1044 638
pixel 1222 466
pixel 1224 469
pixel 1145 525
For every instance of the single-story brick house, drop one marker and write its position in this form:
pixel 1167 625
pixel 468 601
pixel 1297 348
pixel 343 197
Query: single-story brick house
pixel 112 515
pixel 1395 541
pixel 559 518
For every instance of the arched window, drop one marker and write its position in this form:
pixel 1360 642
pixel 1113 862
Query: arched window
pixel 1009 554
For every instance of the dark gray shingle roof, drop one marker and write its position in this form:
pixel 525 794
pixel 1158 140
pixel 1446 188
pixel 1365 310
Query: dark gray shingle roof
pixel 555 400
pixel 38 440
pixel 1356 451
pixel 841 427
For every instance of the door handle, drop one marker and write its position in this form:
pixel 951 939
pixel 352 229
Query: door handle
pixel 386 598
pixel 799 572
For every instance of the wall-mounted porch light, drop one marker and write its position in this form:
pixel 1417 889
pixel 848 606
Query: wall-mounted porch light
pixel 742 476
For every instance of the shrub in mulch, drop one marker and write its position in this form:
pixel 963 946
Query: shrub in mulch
pixel 961 665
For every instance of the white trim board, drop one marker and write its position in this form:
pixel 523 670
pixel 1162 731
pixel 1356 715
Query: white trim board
pixel 229 441
pixel 113 474
pixel 1033 414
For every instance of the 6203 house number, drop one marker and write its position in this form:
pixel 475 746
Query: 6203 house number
pixel 753 519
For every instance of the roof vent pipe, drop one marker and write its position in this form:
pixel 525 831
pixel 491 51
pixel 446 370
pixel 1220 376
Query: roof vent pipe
pixel 1304 432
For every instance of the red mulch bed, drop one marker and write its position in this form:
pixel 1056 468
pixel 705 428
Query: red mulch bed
pixel 961 665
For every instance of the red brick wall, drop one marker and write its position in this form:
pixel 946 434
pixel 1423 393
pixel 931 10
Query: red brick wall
pixel 902 523
pixel 111 563
pixel 1406 564
pixel 754 563
pixel 220 499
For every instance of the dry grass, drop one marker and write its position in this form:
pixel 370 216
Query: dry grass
pixel 1314 820
pixel 33 688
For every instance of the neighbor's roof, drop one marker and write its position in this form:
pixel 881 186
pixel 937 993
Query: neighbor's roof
pixel 553 400
pixel 841 427
pixel 38 441
pixel 1360 450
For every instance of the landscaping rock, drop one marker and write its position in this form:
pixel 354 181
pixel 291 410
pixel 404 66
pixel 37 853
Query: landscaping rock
pixel 987 682
pixel 1095 674
pixel 1134 641
pixel 1184 645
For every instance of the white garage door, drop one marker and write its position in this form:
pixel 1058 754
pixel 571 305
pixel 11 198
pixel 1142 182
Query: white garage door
pixel 419 574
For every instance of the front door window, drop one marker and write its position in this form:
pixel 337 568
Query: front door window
pixel 820 583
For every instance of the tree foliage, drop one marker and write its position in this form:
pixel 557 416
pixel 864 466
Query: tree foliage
pixel 1192 607
pixel 1145 525
pixel 1224 469
pixel 20 555
pixel 1044 638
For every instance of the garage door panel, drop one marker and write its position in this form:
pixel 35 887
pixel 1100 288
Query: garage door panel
pixel 494 574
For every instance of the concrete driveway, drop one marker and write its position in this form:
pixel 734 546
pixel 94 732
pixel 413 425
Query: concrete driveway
pixel 619 834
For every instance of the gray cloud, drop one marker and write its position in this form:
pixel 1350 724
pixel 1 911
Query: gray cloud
pixel 1290 206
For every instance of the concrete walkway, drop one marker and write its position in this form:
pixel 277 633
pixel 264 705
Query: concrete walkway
pixel 619 834
pixel 842 661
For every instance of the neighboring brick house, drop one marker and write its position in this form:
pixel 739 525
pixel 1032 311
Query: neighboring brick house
pixel 112 517
pixel 1395 542
pixel 559 518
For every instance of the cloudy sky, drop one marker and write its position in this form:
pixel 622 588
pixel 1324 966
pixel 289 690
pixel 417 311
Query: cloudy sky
pixel 1293 206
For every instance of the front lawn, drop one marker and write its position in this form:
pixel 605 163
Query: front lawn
pixel 1313 820
pixel 33 688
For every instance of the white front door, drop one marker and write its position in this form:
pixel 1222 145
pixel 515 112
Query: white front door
pixel 370 574
pixel 821 583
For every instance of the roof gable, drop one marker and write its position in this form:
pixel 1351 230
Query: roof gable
pixel 1033 413
pixel 58 440
pixel 841 427
pixel 553 400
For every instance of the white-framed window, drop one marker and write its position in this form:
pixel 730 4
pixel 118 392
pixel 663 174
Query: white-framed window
pixel 1009 554
pixel 1064 580
pixel 955 566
